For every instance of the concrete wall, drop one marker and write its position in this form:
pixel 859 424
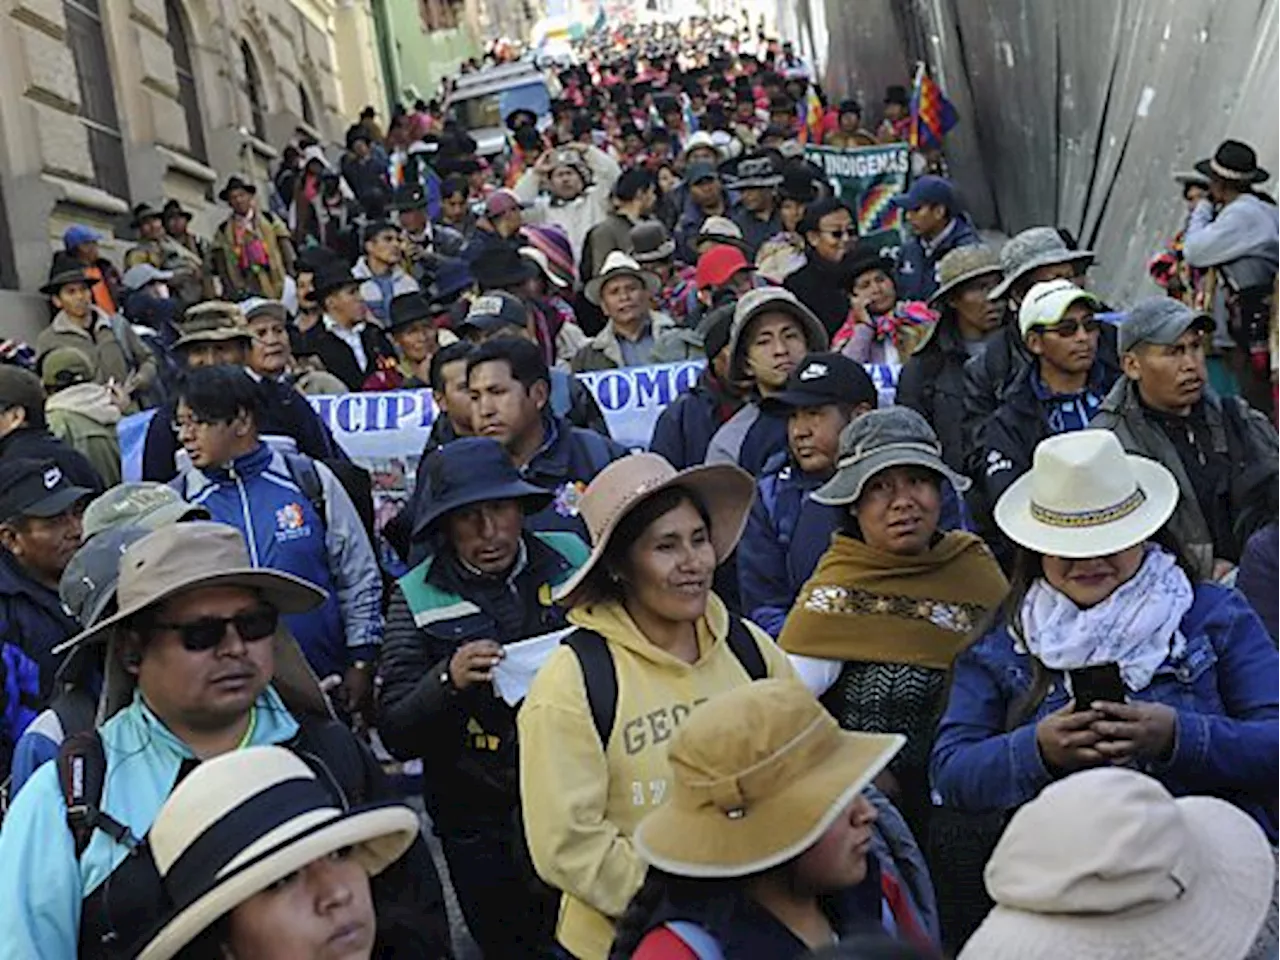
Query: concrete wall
pixel 46 167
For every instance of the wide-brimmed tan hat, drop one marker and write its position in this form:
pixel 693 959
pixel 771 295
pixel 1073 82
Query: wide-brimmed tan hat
pixel 242 821
pixel 1085 497
pixel 758 775
pixel 618 264
pixel 1106 864
pixel 962 265
pixel 725 490
pixel 212 322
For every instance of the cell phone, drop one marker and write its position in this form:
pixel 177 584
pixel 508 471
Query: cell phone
pixel 1099 682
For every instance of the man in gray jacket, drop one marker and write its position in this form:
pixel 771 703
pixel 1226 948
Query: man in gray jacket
pixel 1222 453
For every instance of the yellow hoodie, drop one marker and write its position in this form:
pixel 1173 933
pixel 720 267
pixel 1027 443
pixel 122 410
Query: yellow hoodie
pixel 582 803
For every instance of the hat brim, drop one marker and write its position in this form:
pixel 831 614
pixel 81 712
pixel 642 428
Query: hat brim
pixel 726 490
pixel 381 835
pixel 788 400
pixel 595 286
pixel 1187 177
pixel 54 287
pixel 704 843
pixel 58 501
pixel 664 251
pixel 1218 915
pixel 225 193
pixel 1199 321
pixel 424 316
pixel 284 591
pixel 220 335
pixel 531 498
pixel 156 519
pixel 756 182
pixel 1080 542
pixel 956 282
pixel 1001 289
pixel 846 486
pixel 1256 175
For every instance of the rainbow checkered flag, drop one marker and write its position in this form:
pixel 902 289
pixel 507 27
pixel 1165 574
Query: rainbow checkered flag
pixel 932 114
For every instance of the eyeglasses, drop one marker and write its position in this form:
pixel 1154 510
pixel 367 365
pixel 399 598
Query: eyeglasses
pixel 840 234
pixel 207 632
pixel 179 426
pixel 1069 328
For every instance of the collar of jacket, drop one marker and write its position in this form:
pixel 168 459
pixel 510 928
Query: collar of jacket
pixel 62 323
pixel 606 341
pixel 15 582
pixel 249 465
pixel 550 463
pixel 943 236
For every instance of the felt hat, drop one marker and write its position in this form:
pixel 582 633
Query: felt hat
pixel 240 822
pixel 618 264
pixel 332 277
pixel 759 774
pixel 1085 497
pixel 409 308
pixel 174 208
pixel 651 242
pixel 725 489
pixel 1234 162
pixel 235 183
pixel 144 211
pixel 64 273
pixel 502 267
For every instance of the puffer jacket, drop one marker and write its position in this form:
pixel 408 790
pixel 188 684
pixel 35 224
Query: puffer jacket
pixel 260 496
pixel 466 739
pixel 684 429
pixel 1223 687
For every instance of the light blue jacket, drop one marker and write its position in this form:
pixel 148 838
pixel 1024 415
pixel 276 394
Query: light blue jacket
pixel 42 887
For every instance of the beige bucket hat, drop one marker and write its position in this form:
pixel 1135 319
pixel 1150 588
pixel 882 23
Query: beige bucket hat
pixel 725 489
pixel 618 264
pixel 1106 861
pixel 1085 497
pixel 242 821
pixel 212 322
pixel 963 264
pixel 758 775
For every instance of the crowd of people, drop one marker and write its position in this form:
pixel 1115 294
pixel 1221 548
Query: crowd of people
pixel 987 672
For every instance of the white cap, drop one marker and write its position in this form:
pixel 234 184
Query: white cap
pixel 1045 303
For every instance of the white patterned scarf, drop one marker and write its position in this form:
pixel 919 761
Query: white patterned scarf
pixel 1136 627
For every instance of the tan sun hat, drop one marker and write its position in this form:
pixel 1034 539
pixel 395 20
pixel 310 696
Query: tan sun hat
pixel 213 321
pixel 618 264
pixel 1105 861
pixel 1085 497
pixel 963 264
pixel 758 775
pixel 240 822
pixel 725 490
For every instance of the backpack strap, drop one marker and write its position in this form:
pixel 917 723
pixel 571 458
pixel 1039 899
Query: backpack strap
pixel 745 648
pixel 82 774
pixel 307 477
pixel 599 676
pixel 118 330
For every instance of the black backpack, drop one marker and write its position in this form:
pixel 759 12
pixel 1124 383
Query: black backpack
pixel 600 675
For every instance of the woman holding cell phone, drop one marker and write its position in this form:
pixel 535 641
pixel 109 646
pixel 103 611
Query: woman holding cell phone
pixel 1176 678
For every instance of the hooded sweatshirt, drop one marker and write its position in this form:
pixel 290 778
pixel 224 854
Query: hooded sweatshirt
pixel 581 802
pixel 85 417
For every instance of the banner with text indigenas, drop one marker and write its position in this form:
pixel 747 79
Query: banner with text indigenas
pixel 867 179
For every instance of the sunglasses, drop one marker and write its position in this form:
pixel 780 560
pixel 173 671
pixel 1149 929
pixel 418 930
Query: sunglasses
pixel 1069 328
pixel 840 234
pixel 207 632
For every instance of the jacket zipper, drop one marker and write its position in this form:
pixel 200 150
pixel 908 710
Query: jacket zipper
pixel 248 520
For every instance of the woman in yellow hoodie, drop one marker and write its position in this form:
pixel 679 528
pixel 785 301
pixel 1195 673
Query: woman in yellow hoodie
pixel 653 642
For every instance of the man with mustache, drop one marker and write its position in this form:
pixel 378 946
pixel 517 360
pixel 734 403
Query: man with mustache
pixel 1222 452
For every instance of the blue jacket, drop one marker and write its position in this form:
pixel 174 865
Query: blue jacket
pixel 1223 688
pixel 786 535
pixel 917 273
pixel 684 429
pixel 42 885
pixel 751 438
pixel 258 495
pixel 32 623
pixel 567 461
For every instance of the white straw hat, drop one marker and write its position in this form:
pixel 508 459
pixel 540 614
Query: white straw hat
pixel 1085 497
pixel 242 821
pixel 1106 865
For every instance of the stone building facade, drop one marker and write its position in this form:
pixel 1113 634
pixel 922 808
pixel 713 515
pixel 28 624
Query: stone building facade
pixel 109 103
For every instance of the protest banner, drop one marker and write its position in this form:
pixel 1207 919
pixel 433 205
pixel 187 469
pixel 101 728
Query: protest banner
pixel 867 179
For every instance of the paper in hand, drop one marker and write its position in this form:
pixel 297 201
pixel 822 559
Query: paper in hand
pixel 520 661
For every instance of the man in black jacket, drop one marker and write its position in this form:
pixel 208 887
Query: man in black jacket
pixel 448 621
pixel 348 342
pixel 25 434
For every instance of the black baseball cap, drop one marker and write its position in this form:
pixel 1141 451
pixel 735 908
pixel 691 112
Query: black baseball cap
pixel 823 378
pixel 35 488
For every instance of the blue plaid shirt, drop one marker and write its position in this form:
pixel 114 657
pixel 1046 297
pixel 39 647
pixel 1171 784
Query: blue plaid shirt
pixel 1065 412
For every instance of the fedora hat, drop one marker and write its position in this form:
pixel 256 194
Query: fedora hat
pixel 652 242
pixel 235 183
pixel 758 775
pixel 725 489
pixel 244 820
pixel 333 277
pixel 174 208
pixel 1032 248
pixel 1085 497
pixel 1106 859
pixel 473 470
pixel 62 274
pixel 503 267
pixel 212 322
pixel 753 170
pixel 1234 162
pixel 618 264
pixel 961 265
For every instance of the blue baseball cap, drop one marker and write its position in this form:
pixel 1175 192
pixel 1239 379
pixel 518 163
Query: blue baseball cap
pixel 927 190
pixel 77 235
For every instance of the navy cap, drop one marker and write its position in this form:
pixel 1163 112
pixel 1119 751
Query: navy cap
pixel 699 171
pixel 35 488
pixel 467 471
pixel 927 190
pixel 823 378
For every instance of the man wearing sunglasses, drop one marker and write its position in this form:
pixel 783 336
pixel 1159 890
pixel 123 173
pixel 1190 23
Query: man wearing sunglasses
pixel 197 666
pixel 1058 392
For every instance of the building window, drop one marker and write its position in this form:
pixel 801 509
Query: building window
pixel 97 97
pixel 439 14
pixel 253 90
pixel 308 111
pixel 177 35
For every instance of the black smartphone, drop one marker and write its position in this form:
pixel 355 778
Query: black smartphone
pixel 1099 682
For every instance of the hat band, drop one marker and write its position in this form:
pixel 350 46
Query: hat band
pixel 1089 518
pixel 1226 173
pixel 862 452
pixel 200 865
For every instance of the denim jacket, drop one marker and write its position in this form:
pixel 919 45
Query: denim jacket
pixel 1223 687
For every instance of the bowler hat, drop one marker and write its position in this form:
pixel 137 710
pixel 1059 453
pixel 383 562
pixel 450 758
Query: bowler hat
pixel 897 94
pixel 408 308
pixel 235 183
pixel 651 241
pixel 409 197
pixel 471 470
pixel 63 273
pixel 1234 162
pixel 144 211
pixel 333 277
pixel 502 267
pixel 174 208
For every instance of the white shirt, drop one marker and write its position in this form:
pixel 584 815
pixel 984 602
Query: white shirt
pixel 351 337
